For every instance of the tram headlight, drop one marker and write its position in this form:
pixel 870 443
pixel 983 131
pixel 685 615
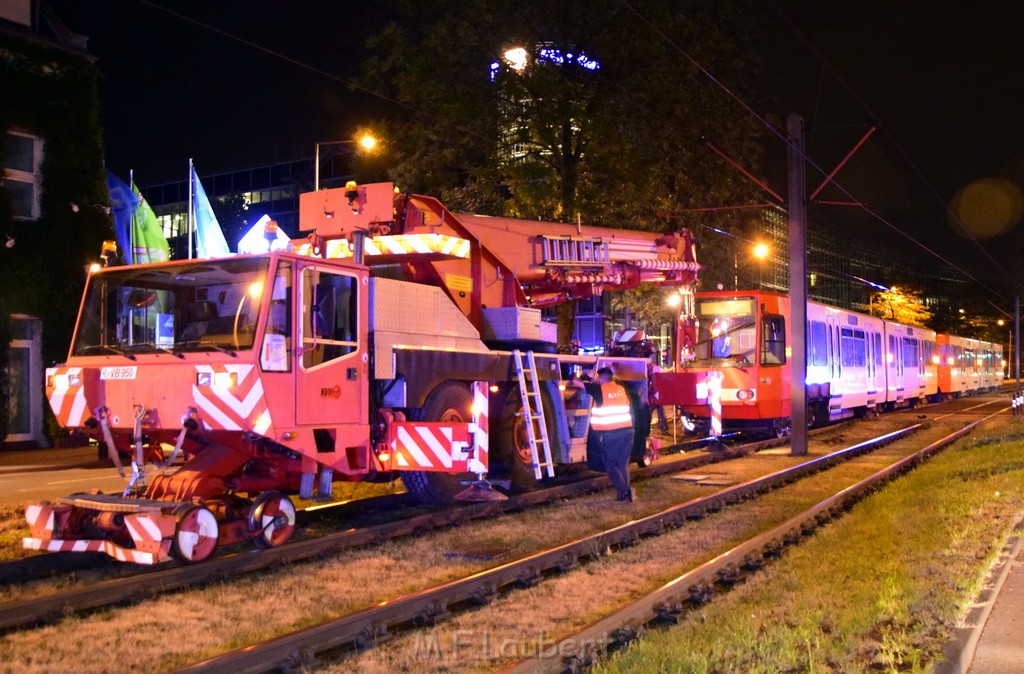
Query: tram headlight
pixel 745 394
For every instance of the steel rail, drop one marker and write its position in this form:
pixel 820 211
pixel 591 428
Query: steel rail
pixel 697 586
pixel 172 576
pixel 364 628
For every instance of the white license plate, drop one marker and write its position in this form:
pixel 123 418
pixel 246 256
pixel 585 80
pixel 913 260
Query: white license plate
pixel 127 372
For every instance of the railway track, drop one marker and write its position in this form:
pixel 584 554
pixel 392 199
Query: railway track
pixel 365 628
pixel 132 584
pixel 136 583
pixel 697 586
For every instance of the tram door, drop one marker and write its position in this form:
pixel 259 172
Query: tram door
pixel 874 360
pixel 894 358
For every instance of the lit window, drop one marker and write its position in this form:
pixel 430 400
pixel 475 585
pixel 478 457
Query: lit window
pixel 23 155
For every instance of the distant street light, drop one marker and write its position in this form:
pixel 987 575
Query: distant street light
pixel 760 252
pixel 366 141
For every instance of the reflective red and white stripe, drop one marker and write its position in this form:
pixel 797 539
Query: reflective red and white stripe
pixel 67 400
pixel 403 244
pixel 240 406
pixel 149 532
pixel 715 401
pixel 431 446
pixel 630 336
pixel 479 461
pixel 397 244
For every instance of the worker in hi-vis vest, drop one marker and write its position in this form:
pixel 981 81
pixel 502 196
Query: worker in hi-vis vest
pixel 610 442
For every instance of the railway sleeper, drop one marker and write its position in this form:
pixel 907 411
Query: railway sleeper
pixel 700 594
pixel 528 577
pixel 623 635
pixel 728 576
pixel 485 594
pixel 371 636
pixel 434 613
pixel 773 549
pixel 753 562
pixel 668 614
pixel 298 661
pixel 567 562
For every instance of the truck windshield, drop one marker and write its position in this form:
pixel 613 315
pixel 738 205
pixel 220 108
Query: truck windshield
pixel 199 305
pixel 726 331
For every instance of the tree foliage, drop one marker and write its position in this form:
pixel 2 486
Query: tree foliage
pixel 623 144
pixel 901 305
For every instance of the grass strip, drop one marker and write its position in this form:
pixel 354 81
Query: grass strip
pixel 878 590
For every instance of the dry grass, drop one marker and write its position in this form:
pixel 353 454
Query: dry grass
pixel 12 529
pixel 490 637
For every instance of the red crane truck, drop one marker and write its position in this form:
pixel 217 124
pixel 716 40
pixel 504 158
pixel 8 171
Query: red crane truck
pixel 397 338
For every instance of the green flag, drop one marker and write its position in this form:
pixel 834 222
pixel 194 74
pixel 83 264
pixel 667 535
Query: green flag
pixel 148 242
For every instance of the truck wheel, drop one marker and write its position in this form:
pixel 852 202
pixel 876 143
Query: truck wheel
pixel 449 402
pixel 195 534
pixel 510 454
pixel 272 515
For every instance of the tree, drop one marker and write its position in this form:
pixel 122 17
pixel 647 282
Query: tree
pixel 606 118
pixel 901 305
pixel 559 111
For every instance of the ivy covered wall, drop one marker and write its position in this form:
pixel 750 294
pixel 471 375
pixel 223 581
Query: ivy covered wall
pixel 50 92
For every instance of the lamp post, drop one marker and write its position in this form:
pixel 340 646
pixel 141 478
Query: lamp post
pixel 366 142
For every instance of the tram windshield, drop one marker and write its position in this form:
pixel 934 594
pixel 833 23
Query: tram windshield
pixel 198 305
pixel 726 331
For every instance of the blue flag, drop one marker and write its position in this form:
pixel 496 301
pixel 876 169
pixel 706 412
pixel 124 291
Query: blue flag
pixel 210 240
pixel 122 205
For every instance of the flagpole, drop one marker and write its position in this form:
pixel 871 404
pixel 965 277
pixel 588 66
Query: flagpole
pixel 191 206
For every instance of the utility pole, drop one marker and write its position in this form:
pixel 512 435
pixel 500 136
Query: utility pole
pixel 797 209
pixel 1016 346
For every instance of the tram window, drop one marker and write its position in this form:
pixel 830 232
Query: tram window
pixel 773 340
pixel 818 343
pixel 853 347
pixel 892 351
pixel 910 352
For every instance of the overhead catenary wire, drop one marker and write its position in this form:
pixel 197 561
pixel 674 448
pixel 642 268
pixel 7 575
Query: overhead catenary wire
pixel 904 155
pixel 781 135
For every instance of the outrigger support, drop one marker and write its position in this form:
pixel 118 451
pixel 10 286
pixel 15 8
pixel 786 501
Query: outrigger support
pixel 101 415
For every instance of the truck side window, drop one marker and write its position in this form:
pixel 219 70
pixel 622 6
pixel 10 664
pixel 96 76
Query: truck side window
pixel 329 318
pixel 277 339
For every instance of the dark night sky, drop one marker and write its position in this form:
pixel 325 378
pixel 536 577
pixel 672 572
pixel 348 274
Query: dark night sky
pixel 943 77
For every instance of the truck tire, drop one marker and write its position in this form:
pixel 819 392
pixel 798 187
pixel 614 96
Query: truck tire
pixel 510 451
pixel 451 402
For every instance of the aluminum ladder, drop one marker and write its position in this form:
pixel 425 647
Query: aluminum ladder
pixel 533 414
pixel 574 251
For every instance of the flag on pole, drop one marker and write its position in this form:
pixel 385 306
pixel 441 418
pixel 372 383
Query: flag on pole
pixel 210 240
pixel 122 206
pixel 149 242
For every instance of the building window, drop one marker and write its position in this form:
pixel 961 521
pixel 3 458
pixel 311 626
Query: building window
pixel 23 155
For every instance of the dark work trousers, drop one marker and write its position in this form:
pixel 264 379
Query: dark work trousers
pixel 614 448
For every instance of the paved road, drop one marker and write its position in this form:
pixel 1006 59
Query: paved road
pixel 41 474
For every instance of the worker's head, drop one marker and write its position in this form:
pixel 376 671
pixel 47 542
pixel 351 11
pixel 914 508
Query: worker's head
pixel 604 375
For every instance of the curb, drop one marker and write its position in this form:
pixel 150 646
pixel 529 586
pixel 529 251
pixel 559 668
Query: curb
pixel 960 651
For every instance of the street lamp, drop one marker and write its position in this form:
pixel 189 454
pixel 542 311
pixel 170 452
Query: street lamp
pixel 366 141
pixel 760 252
